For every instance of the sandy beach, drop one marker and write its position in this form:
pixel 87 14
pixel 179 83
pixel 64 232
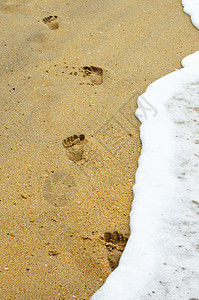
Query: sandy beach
pixel 71 74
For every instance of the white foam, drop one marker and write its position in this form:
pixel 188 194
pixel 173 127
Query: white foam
pixel 191 7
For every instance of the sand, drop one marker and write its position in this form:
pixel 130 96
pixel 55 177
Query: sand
pixel 65 205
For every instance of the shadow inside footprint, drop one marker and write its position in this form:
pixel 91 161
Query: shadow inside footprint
pixel 73 140
pixel 74 147
pixel 51 22
pixel 115 243
pixel 94 74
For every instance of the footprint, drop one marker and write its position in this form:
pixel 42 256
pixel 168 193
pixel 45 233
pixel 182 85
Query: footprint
pixel 73 140
pixel 11 6
pixel 85 153
pixel 89 75
pixel 75 147
pixel 59 189
pixel 115 243
pixel 94 74
pixel 51 22
pixel 38 37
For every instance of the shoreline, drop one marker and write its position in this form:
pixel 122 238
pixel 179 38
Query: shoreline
pixel 160 259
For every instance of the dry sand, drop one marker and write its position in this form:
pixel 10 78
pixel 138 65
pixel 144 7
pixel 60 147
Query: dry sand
pixel 58 202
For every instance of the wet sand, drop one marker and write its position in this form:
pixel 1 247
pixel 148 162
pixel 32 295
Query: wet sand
pixel 65 205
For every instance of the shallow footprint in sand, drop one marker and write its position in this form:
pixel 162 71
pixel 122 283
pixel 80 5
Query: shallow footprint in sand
pixel 85 154
pixel 59 189
pixel 51 22
pixel 115 243
pixel 94 74
pixel 74 147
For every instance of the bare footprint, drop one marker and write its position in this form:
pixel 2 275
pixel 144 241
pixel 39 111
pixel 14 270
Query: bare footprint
pixel 59 189
pixel 115 243
pixel 73 140
pixel 51 22
pixel 74 145
pixel 11 6
pixel 85 153
pixel 88 75
pixel 94 74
